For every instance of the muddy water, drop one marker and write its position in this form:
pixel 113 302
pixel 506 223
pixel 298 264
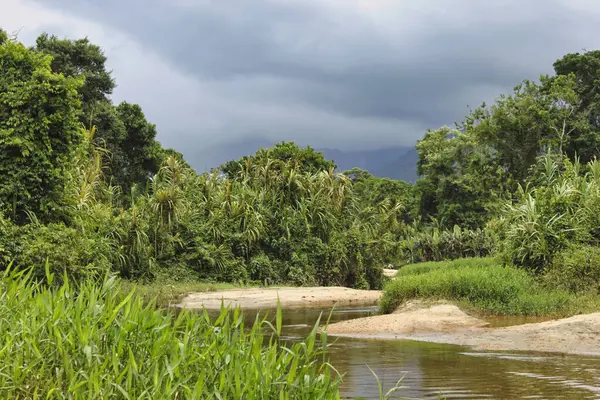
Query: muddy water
pixel 430 370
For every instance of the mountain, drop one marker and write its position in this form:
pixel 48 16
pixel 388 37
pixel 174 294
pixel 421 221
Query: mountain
pixel 398 162
pixel 403 168
pixel 392 162
pixel 215 156
pixel 363 159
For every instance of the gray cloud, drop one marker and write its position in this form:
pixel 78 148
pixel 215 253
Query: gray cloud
pixel 347 74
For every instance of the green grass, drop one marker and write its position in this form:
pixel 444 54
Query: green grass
pixel 482 284
pixel 62 341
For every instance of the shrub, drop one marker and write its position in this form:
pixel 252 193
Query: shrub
pixel 64 248
pixel 576 269
pixel 438 245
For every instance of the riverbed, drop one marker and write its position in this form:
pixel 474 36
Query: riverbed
pixel 455 372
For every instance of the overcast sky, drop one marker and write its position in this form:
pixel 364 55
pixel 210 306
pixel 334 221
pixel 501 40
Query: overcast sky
pixel 348 74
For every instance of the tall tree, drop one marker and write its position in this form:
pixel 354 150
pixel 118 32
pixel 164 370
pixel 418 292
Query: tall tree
pixel 79 58
pixel 39 131
pixel 122 130
pixel 140 151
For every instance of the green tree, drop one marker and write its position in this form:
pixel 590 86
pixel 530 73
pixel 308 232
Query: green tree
pixel 79 58
pixel 39 131
pixel 305 159
pixel 140 158
pixel 122 130
pixel 585 68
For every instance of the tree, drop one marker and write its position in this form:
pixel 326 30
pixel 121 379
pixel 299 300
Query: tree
pixel 304 160
pixel 140 151
pixel 585 69
pixel 39 131
pixel 122 130
pixel 79 58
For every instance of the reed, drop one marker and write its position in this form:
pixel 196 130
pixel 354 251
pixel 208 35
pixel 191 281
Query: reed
pixel 89 340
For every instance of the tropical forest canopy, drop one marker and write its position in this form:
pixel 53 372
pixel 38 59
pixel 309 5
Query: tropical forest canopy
pixel 86 187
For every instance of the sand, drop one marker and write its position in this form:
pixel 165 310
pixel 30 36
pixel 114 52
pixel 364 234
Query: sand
pixel 390 273
pixel 290 297
pixel 413 317
pixel 446 323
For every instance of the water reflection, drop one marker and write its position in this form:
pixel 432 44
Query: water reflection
pixel 431 369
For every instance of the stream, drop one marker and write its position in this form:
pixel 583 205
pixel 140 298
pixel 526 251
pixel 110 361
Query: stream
pixel 431 370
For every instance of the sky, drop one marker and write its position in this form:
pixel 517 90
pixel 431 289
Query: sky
pixel 345 74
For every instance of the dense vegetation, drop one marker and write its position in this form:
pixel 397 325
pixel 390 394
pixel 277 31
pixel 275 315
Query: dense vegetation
pixel 90 341
pixel 521 176
pixel 86 186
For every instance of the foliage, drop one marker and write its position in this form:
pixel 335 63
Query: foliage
pixel 39 132
pixel 434 244
pixel 576 269
pixel 79 58
pixel 133 153
pixel 468 172
pixel 559 210
pixel 283 153
pixel 483 285
pixel 90 341
pixel 70 253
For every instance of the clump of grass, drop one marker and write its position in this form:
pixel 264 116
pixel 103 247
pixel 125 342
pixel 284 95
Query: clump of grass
pixel 484 285
pixel 91 341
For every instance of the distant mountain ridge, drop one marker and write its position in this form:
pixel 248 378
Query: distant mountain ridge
pixel 398 162
pixel 392 162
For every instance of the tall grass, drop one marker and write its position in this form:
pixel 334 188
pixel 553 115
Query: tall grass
pixel 91 341
pixel 484 285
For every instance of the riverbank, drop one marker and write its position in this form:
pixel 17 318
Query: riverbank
pixel 289 297
pixel 445 323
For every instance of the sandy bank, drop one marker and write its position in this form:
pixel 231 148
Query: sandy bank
pixel 445 323
pixel 389 272
pixel 289 297
pixel 413 317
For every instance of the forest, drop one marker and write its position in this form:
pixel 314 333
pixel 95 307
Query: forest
pixel 87 191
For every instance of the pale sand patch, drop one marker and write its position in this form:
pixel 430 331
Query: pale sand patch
pixel 288 297
pixel 410 318
pixel 445 323
pixel 389 272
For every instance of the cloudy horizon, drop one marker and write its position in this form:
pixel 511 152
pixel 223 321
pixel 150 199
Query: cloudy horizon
pixel 355 74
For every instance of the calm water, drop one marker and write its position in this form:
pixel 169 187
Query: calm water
pixel 455 372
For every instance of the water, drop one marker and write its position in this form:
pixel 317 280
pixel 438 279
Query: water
pixel 455 372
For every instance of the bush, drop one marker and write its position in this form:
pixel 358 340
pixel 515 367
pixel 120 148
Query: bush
pixel 576 269
pixel 262 269
pixel 439 245
pixel 95 342
pixel 482 284
pixel 64 248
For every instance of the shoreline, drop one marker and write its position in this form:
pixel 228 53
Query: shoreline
pixel 289 297
pixel 446 323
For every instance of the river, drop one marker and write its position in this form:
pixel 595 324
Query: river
pixel 430 370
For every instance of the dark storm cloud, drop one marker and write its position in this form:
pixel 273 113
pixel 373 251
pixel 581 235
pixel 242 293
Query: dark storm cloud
pixel 416 64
